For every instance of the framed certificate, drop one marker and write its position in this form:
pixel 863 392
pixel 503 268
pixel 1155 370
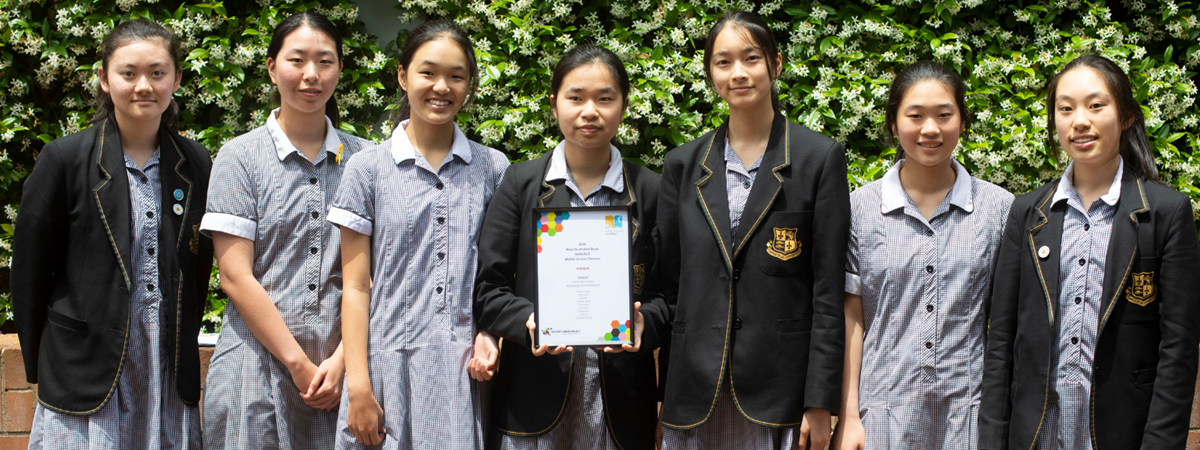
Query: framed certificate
pixel 584 276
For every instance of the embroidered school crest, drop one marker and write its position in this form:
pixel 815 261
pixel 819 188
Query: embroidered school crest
pixel 1141 292
pixel 639 278
pixel 194 243
pixel 784 246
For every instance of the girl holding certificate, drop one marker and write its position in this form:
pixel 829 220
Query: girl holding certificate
pixel 276 375
pixel 1095 314
pixel 410 211
pixel 921 253
pixel 582 398
pixel 753 219
pixel 109 272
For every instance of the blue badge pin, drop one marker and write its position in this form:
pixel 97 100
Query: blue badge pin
pixel 179 194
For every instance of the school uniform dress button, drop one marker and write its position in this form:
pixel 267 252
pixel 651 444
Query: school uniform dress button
pixel 928 345
pixel 150 251
pixel 312 287
pixel 1082 261
pixel 439 186
pixel 150 287
pixel 1074 340
pixel 929 269
pixel 150 214
pixel 439 289
pixel 315 215
pixel 312 250
pixel 441 220
pixel 1077 300
pixel 441 255
pixel 312 180
pixel 929 308
pixel 1086 227
pixel 737 324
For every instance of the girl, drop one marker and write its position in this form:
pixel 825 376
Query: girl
pixel 276 374
pixel 922 247
pixel 753 217
pixel 410 211
pixel 1095 319
pixel 564 401
pixel 109 273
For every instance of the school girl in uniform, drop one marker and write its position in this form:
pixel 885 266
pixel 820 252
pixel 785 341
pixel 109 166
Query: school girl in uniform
pixel 919 263
pixel 1096 309
pixel 275 378
pixel 753 218
pixel 109 273
pixel 410 211
pixel 580 398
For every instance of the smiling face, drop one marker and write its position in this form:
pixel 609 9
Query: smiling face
pixel 589 107
pixel 739 70
pixel 436 81
pixel 140 77
pixel 306 70
pixel 1087 118
pixel 929 123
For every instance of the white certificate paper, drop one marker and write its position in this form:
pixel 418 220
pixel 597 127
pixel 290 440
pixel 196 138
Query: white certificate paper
pixel 583 276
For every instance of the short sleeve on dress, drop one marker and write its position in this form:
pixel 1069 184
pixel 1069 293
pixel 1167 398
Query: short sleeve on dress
pixel 232 201
pixel 354 204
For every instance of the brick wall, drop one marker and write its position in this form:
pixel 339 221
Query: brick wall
pixel 19 398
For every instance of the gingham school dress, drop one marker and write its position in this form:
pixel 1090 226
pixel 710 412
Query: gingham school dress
pixel 263 189
pixel 144 411
pixel 924 285
pixel 424 226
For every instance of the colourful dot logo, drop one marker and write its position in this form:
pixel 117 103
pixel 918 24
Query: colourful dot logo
pixel 547 331
pixel 550 223
pixel 620 332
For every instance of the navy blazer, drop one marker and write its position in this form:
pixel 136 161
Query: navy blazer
pixel 769 306
pixel 1144 370
pixel 530 392
pixel 71 266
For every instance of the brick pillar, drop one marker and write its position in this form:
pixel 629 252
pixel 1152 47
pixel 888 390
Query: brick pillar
pixel 18 399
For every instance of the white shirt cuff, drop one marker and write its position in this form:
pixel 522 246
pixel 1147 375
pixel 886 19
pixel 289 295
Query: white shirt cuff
pixel 229 224
pixel 853 284
pixel 343 218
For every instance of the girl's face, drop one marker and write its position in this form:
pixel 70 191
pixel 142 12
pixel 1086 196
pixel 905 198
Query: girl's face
pixel 306 70
pixel 436 81
pixel 589 106
pixel 928 123
pixel 141 78
pixel 1087 118
pixel 739 70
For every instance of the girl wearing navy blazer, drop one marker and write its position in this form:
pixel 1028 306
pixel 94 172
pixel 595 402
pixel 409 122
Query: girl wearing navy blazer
pixel 595 398
pixel 753 218
pixel 1095 318
pixel 110 272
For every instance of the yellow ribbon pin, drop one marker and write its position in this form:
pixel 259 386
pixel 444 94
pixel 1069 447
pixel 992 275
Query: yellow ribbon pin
pixel 339 154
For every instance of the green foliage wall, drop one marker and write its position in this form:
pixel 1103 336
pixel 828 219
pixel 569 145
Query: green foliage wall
pixel 839 59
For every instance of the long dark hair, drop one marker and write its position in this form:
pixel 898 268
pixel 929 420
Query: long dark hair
pixel 759 34
pixel 1135 144
pixel 124 34
pixel 317 22
pixel 587 54
pixel 913 75
pixel 429 31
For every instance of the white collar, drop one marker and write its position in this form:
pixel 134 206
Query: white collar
pixel 402 148
pixel 1066 185
pixel 613 179
pixel 283 145
pixel 895 198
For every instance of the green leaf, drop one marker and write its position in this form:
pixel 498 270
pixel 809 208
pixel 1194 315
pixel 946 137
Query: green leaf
pixel 250 32
pixel 197 53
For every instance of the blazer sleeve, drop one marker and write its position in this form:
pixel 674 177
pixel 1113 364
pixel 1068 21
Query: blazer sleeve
pixel 1179 294
pixel 497 308
pixel 204 257
pixel 831 213
pixel 995 405
pixel 38 251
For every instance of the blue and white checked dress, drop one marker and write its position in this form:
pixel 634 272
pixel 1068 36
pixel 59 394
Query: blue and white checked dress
pixel 726 427
pixel 1085 237
pixel 924 285
pixel 263 189
pixel 583 426
pixel 424 227
pixel 145 411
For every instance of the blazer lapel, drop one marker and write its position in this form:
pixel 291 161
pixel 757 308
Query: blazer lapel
pixel 1122 246
pixel 767 183
pixel 552 195
pixel 1047 234
pixel 112 194
pixel 172 166
pixel 712 194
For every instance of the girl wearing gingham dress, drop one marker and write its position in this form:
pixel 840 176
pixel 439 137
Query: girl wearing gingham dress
pixel 275 376
pixel 410 211
pixel 105 231
pixel 920 257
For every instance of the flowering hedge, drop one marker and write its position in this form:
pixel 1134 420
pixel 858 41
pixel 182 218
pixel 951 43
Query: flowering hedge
pixel 839 59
